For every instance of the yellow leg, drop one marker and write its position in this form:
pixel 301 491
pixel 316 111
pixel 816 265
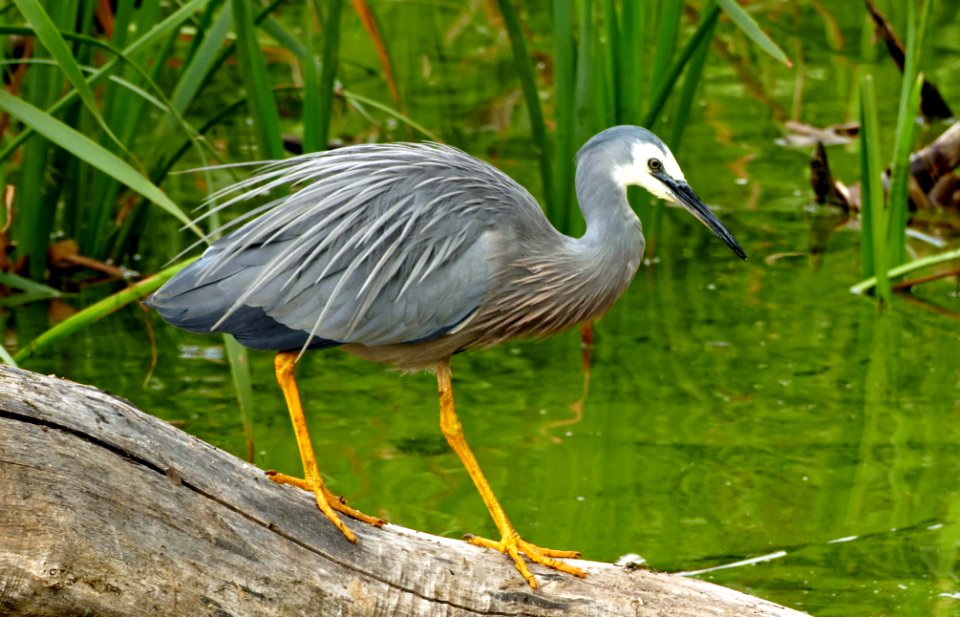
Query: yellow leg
pixel 510 541
pixel 285 364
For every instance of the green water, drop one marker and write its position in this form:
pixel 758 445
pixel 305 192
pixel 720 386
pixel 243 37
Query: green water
pixel 735 410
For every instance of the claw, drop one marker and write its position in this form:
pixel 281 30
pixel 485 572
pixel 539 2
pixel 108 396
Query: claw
pixel 512 545
pixel 328 503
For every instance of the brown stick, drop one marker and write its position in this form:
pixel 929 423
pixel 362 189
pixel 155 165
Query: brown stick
pixel 932 104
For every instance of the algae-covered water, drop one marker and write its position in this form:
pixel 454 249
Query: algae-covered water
pixel 737 411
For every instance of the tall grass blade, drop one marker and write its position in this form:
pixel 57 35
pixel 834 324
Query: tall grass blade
pixel 564 75
pixel 749 27
pixel 668 27
pixel 92 153
pixel 314 139
pixel 586 91
pixel 125 111
pixel 98 310
pixel 897 198
pixel 328 72
pixel 33 224
pixel 930 8
pixel 286 39
pixel 611 60
pixel 680 112
pixel 370 24
pixel 239 360
pixel 903 143
pixel 262 105
pixel 49 35
pixel 594 106
pixel 632 77
pixel 524 67
pixel 163 29
pixel 691 81
pixel 873 218
pixel 35 197
pixel 194 75
pixel 704 31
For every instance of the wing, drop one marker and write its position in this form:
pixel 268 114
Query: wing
pixel 381 244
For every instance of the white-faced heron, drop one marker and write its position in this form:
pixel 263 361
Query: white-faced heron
pixel 409 253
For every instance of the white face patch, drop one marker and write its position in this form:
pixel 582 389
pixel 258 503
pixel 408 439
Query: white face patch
pixel 637 172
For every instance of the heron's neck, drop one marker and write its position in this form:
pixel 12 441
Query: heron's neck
pixel 614 235
pixel 581 277
pixel 557 281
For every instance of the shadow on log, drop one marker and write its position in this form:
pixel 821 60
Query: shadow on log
pixel 105 510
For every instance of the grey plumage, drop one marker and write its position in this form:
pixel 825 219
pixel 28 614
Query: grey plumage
pixel 408 253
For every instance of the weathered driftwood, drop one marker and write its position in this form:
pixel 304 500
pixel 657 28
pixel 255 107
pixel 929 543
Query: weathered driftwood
pixel 105 510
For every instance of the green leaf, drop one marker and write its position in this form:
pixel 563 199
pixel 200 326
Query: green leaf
pixel 6 358
pixel 193 76
pixel 909 107
pixel 163 29
pixel 632 75
pixel 668 27
pixel 49 35
pixel 315 127
pixel 328 70
pixel 873 218
pixel 898 196
pixel 15 281
pixel 240 373
pixel 91 152
pixel 528 83
pixel 261 103
pixel 704 31
pixel 917 264
pixel 749 27
pixel 99 310
pixel 564 83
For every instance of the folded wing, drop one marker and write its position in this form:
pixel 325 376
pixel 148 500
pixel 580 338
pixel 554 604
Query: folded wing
pixel 378 244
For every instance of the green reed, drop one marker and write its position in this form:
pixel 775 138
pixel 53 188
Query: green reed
pixel 89 164
pixel 621 67
pixel 884 218
pixel 873 214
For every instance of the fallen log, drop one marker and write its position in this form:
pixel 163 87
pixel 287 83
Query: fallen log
pixel 105 510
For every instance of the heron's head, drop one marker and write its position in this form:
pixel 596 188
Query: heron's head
pixel 637 157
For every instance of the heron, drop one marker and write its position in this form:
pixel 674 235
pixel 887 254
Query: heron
pixel 409 253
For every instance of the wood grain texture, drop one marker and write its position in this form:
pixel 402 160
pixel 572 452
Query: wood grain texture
pixel 105 510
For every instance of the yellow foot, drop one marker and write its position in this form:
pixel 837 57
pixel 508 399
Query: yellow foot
pixel 328 503
pixel 513 545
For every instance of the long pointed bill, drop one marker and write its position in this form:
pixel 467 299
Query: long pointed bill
pixel 689 200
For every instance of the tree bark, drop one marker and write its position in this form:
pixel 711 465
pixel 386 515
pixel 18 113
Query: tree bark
pixel 105 510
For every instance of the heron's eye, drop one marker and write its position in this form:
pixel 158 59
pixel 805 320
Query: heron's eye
pixel 655 164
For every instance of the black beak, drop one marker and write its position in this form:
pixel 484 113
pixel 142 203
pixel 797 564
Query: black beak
pixel 689 200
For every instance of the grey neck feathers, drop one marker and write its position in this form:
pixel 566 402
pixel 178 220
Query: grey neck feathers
pixel 562 281
pixel 578 279
pixel 614 235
